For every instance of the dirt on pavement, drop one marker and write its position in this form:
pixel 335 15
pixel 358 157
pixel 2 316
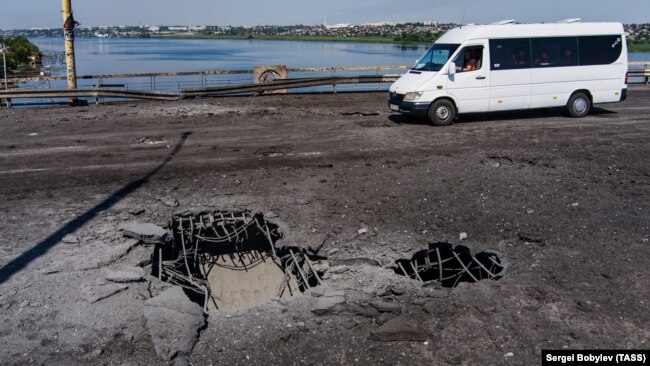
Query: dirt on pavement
pixel 563 201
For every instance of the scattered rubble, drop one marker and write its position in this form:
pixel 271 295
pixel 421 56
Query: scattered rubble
pixel 174 323
pixel 70 239
pixel 147 233
pixel 126 276
pixel 400 328
pixel 94 294
pixel 330 303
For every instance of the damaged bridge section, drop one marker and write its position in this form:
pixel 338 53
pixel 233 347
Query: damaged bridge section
pixel 229 260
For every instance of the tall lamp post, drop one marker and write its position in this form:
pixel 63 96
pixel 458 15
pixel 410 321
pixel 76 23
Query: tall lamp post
pixel 68 33
pixel 3 49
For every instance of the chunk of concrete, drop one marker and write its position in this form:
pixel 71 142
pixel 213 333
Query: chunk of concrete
pixel 401 328
pixel 329 305
pixel 70 239
pixel 98 293
pixel 362 310
pixel 174 322
pixel 148 233
pixel 104 257
pixel 125 276
pixel 386 307
pixel 339 269
pixel 354 261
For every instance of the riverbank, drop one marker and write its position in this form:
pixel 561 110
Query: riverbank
pixel 282 38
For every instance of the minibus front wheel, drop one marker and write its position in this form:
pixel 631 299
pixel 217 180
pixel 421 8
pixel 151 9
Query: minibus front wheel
pixel 442 112
pixel 579 105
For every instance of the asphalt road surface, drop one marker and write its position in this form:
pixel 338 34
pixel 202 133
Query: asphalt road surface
pixel 565 202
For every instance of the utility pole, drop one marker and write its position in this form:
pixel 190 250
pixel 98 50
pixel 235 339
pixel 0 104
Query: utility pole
pixel 68 33
pixel 3 49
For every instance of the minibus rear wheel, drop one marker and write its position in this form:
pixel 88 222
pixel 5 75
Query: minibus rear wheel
pixel 442 112
pixel 579 105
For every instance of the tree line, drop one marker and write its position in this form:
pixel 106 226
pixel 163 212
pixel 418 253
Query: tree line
pixel 20 51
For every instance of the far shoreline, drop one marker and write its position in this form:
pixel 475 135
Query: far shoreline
pixel 632 48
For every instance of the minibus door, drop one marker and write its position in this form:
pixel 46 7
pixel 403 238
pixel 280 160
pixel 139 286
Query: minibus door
pixel 470 84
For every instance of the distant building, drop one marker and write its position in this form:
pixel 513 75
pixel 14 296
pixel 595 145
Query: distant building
pixel 178 29
pixel 339 26
pixel 154 28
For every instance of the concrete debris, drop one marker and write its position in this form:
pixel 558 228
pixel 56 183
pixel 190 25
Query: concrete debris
pixel 383 318
pixel 386 307
pixel 174 322
pixel 70 239
pixel 362 231
pixel 105 257
pixel 148 233
pixel 400 328
pixel 125 276
pixel 338 269
pixel 181 361
pixel 136 211
pixel 462 236
pixel 333 251
pixel 363 310
pixel 318 243
pixel 330 303
pixel 169 201
pixel 98 293
pixel 354 261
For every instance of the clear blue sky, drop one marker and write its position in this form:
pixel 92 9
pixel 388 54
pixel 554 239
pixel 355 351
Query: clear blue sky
pixel 46 13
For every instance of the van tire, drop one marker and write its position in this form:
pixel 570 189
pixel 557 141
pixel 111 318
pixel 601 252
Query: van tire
pixel 579 105
pixel 442 113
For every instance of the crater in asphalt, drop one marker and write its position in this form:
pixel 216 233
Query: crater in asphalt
pixel 451 265
pixel 229 260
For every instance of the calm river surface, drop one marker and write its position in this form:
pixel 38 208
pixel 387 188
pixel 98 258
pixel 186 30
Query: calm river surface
pixel 112 56
pixel 125 56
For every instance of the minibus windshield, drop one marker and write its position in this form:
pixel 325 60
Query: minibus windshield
pixel 436 57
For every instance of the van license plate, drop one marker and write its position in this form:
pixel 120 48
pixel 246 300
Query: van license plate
pixel 394 107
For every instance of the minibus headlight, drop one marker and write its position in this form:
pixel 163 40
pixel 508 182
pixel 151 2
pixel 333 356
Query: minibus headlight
pixel 413 96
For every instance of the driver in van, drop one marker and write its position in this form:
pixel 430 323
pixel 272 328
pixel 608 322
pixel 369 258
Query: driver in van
pixel 469 61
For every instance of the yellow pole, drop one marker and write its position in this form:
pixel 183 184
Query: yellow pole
pixel 68 33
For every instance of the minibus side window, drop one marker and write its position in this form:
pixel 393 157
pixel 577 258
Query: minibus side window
pixel 555 51
pixel 600 50
pixel 509 54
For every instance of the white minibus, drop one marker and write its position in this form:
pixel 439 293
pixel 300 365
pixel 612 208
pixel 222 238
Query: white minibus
pixel 507 66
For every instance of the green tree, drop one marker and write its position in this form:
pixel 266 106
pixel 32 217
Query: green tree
pixel 19 52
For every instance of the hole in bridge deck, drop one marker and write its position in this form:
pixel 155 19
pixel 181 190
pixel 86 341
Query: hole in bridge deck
pixel 228 260
pixel 451 265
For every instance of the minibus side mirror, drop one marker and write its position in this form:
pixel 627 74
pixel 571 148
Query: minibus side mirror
pixel 452 68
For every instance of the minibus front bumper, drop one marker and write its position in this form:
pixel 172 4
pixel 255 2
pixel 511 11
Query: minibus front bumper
pixel 396 103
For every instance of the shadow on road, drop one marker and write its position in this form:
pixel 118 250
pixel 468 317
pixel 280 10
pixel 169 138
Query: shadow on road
pixel 16 265
pixel 498 116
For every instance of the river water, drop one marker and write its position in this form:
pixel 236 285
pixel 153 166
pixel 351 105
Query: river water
pixel 125 56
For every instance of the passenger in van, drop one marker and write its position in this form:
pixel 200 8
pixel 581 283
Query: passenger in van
pixel 543 59
pixel 567 57
pixel 521 57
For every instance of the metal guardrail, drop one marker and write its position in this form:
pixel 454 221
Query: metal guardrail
pixel 276 85
pixel 131 86
pixel 102 90
pixel 639 70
